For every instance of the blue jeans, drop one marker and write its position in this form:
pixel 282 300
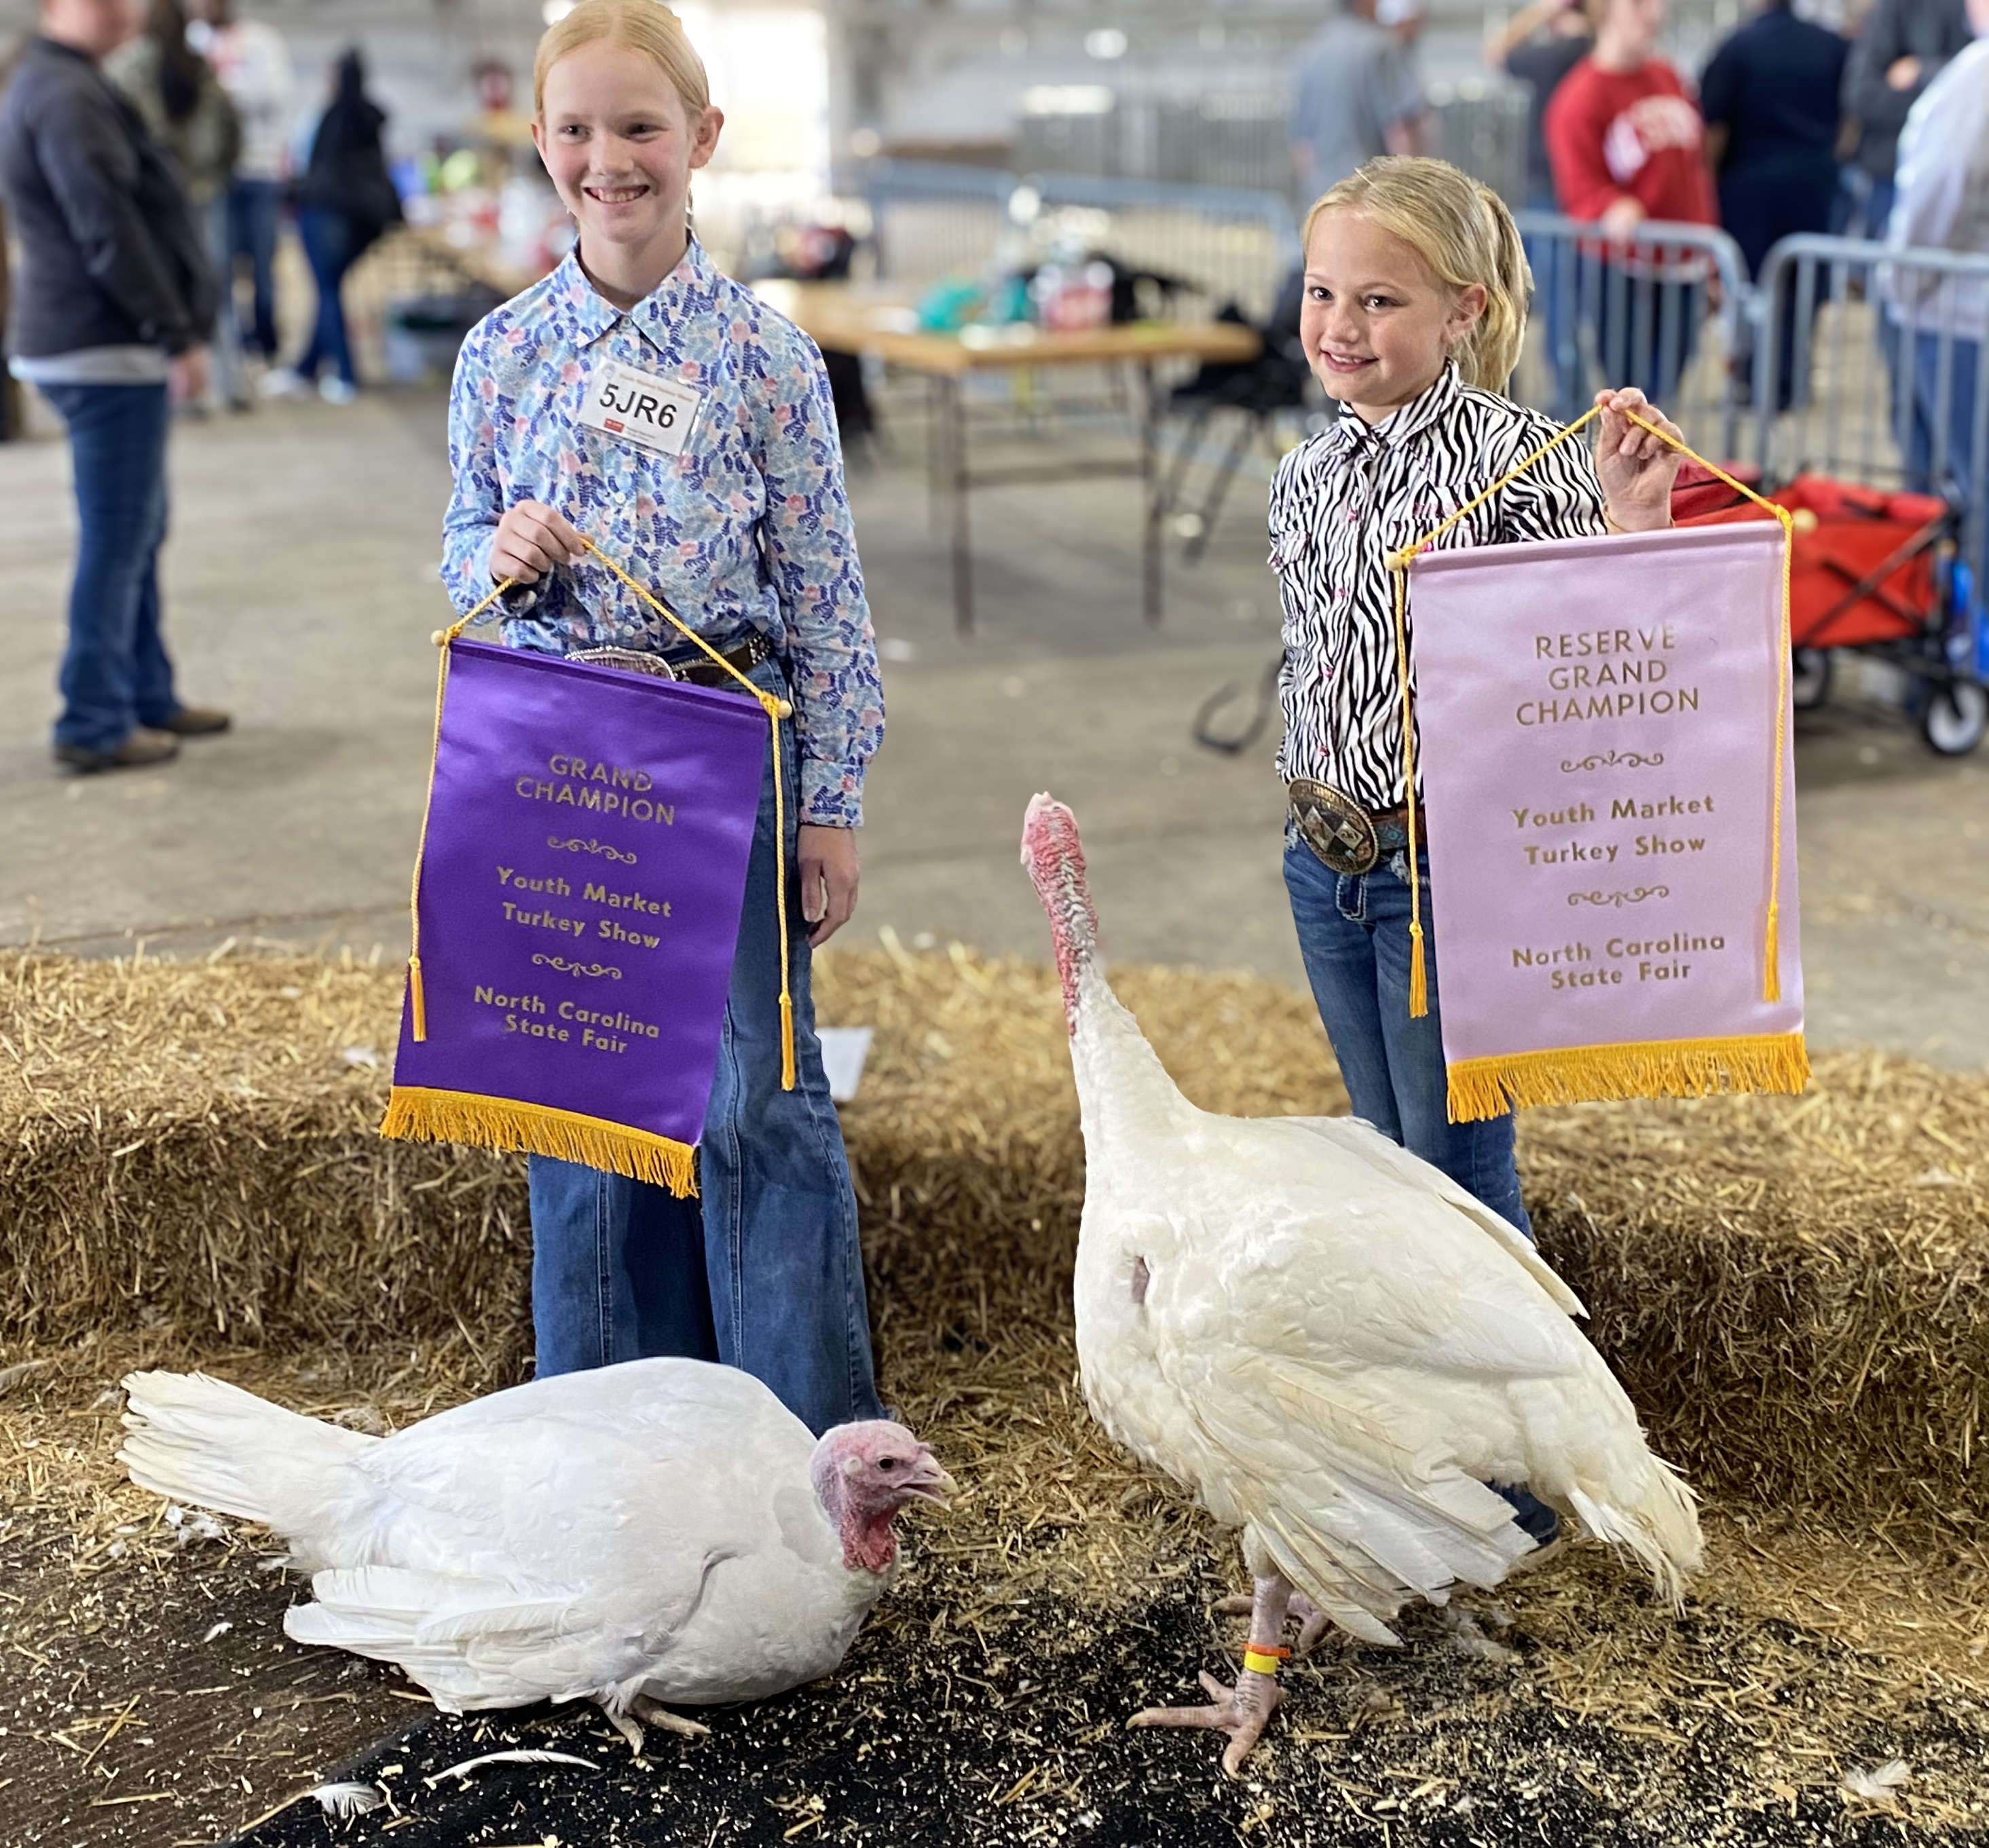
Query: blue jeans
pixel 1645 330
pixel 1354 932
pixel 1552 265
pixel 255 211
pixel 1928 416
pixel 115 674
pixel 331 246
pixel 216 233
pixel 763 1271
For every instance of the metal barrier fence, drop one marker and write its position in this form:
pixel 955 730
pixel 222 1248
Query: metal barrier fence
pixel 1868 367
pixel 1226 244
pixel 1482 127
pixel 1665 309
pixel 929 219
pixel 1835 361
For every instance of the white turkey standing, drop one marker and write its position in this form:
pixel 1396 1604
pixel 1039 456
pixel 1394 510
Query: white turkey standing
pixel 662 1530
pixel 1330 1342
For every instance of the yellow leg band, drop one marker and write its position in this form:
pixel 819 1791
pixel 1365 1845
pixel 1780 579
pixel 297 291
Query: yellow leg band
pixel 1262 1661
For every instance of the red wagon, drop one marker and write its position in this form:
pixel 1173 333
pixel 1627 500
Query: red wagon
pixel 1874 571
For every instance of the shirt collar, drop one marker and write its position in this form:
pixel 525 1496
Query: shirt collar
pixel 690 286
pixel 1351 430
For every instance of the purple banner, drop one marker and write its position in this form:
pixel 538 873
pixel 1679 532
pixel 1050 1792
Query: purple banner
pixel 588 839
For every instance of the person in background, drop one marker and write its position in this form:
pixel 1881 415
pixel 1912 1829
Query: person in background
pixel 183 103
pixel 1626 144
pixel 113 303
pixel 1943 204
pixel 1769 98
pixel 345 200
pixel 1539 46
pixel 1897 52
pixel 253 64
pixel 1355 96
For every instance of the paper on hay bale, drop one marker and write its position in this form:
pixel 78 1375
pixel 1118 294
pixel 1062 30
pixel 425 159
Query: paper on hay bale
pixel 844 1050
pixel 1609 768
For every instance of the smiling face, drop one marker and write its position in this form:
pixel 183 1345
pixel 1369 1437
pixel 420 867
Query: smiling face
pixel 621 147
pixel 1377 322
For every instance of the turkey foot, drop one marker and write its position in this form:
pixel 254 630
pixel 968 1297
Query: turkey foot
pixel 1313 1621
pixel 643 1711
pixel 1243 1711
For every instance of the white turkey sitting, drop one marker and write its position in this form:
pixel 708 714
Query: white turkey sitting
pixel 662 1530
pixel 1329 1341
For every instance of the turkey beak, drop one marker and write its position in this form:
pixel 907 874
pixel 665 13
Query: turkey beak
pixel 925 1480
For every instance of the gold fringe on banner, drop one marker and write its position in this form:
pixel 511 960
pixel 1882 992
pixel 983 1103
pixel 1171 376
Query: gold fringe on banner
pixel 1576 1074
pixel 416 1114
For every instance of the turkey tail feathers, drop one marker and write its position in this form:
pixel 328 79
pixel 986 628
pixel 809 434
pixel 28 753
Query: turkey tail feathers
pixel 1661 1528
pixel 200 1441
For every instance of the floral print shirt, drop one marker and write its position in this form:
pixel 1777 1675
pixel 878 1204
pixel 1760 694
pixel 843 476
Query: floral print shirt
pixel 747 529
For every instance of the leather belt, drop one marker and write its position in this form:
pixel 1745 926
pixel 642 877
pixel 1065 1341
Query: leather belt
pixel 1344 837
pixel 700 670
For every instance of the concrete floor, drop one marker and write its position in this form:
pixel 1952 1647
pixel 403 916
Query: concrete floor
pixel 301 594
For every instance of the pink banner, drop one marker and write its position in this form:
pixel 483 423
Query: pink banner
pixel 1597 720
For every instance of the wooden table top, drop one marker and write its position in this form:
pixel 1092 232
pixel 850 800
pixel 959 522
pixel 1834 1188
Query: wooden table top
pixel 851 318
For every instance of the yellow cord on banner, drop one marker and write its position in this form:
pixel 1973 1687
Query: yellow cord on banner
pixel 417 1004
pixel 1398 564
pixel 776 709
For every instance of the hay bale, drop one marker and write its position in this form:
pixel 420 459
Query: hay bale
pixel 193 1144
pixel 1792 1288
pixel 1795 1290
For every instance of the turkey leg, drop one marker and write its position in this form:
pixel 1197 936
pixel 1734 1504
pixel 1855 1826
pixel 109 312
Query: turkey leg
pixel 643 1711
pixel 1241 1711
pixel 1312 1621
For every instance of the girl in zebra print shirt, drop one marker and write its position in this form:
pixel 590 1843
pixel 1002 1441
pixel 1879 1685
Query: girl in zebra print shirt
pixel 1415 302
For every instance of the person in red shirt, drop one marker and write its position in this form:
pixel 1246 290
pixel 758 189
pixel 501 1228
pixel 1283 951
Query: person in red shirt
pixel 1626 144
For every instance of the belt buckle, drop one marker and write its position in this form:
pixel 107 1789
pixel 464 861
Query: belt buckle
pixel 1338 830
pixel 630 660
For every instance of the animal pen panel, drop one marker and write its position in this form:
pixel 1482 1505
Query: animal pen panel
pixel 1854 341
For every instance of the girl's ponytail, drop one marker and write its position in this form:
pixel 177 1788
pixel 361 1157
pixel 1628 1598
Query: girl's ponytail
pixel 1493 344
pixel 1464 232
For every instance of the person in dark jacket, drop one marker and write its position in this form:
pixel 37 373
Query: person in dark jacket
pixel 345 200
pixel 1770 99
pixel 113 308
pixel 1898 51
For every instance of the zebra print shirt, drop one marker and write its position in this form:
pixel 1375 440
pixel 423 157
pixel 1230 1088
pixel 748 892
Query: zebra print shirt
pixel 1346 499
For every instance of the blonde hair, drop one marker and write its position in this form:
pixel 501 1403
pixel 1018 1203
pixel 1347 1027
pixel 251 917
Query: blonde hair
pixel 1463 231
pixel 643 25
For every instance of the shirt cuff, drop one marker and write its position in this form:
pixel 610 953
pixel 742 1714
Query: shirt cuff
pixel 832 794
pixel 466 593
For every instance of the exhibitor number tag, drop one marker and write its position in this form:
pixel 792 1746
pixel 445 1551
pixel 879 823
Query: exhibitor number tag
pixel 640 408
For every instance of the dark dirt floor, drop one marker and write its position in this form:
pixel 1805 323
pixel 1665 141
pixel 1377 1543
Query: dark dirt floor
pixel 174 1711
pixel 1020 1739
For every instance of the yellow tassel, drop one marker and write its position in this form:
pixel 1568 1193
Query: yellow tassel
pixel 1418 980
pixel 417 1003
pixel 1485 1087
pixel 1771 984
pixel 417 1114
pixel 786 1042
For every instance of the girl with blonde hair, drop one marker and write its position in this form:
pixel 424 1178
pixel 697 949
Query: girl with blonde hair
pixel 731 508
pixel 1414 309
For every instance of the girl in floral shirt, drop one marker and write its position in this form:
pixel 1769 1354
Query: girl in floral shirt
pixel 637 396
